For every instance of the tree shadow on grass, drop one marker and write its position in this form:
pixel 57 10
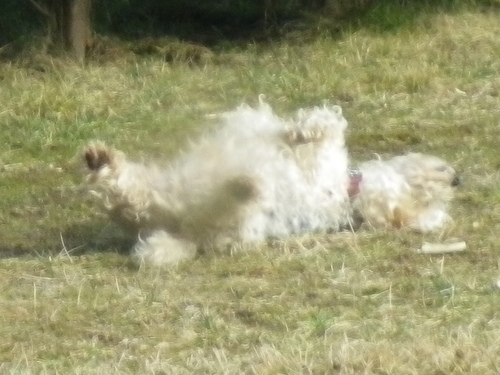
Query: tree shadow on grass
pixel 95 237
pixel 75 240
pixel 8 252
pixel 213 23
pixel 193 32
pixel 190 32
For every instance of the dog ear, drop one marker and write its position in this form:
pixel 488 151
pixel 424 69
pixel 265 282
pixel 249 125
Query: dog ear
pixel 96 156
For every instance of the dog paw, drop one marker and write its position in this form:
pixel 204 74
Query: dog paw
pixel 97 155
pixel 301 136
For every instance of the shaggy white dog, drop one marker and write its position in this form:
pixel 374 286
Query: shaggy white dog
pixel 412 191
pixel 259 176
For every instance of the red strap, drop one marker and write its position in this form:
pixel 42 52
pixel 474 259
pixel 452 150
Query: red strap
pixel 354 181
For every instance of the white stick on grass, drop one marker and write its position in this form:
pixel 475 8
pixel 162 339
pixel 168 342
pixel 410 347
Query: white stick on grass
pixel 441 248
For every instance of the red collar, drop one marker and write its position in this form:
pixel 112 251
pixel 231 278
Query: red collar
pixel 355 178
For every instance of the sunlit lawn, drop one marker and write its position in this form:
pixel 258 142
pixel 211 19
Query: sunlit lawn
pixel 362 303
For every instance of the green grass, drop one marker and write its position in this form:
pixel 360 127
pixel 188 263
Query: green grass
pixel 363 303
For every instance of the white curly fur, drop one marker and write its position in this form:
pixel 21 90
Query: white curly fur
pixel 412 191
pixel 259 176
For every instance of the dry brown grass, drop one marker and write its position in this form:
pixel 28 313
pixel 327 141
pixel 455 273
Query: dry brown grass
pixel 364 303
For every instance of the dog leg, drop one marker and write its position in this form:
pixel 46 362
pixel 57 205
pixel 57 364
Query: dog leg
pixel 160 248
pixel 297 136
pixel 430 220
pixel 101 160
pixel 124 188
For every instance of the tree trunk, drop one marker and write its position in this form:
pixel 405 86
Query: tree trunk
pixel 78 33
pixel 69 24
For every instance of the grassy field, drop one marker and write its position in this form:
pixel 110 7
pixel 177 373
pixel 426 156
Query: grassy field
pixel 350 303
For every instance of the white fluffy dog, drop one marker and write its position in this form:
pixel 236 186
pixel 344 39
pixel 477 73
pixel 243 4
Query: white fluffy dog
pixel 259 176
pixel 411 191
